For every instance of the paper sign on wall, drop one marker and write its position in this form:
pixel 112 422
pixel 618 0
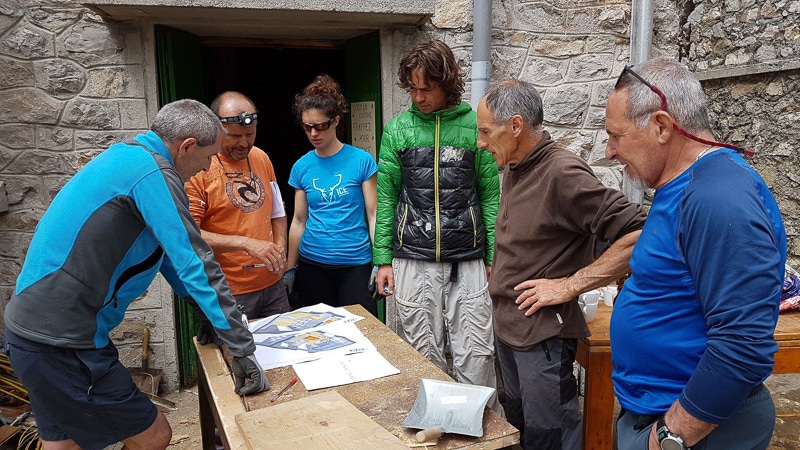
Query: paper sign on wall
pixel 362 121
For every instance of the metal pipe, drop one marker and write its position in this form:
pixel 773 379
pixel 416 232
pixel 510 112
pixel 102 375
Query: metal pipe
pixel 481 49
pixel 641 41
pixel 641 30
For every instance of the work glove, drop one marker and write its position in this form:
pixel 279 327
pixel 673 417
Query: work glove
pixel 248 367
pixel 371 286
pixel 207 334
pixel 288 279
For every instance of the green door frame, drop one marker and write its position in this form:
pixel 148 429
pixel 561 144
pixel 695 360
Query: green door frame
pixel 180 75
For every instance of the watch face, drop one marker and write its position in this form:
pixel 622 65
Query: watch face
pixel 672 443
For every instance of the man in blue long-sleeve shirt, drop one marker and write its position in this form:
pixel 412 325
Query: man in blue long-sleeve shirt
pixel 120 220
pixel 692 330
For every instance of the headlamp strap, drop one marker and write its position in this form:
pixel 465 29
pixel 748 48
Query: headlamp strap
pixel 245 118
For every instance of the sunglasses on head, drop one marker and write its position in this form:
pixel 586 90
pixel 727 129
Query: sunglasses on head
pixel 628 69
pixel 319 126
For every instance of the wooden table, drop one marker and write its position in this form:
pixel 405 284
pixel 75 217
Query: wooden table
pixel 386 400
pixel 594 354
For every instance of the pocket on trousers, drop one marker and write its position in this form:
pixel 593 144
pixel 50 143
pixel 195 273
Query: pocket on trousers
pixel 479 321
pixel 412 314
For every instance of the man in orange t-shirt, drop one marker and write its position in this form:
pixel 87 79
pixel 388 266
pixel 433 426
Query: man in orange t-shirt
pixel 239 210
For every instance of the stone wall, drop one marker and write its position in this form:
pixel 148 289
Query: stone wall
pixel 70 85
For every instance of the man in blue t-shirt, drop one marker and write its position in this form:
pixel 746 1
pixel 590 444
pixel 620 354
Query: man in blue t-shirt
pixel 692 334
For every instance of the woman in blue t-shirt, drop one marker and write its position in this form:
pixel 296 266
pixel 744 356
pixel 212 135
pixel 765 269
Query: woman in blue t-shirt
pixel 334 206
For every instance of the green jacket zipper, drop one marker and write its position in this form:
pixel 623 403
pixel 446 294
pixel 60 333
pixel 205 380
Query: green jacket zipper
pixel 436 190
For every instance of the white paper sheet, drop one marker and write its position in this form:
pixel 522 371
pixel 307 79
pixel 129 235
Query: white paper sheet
pixel 343 369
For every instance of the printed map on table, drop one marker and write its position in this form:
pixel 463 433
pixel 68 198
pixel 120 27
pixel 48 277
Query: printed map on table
pixel 313 342
pixel 297 321
pixel 306 334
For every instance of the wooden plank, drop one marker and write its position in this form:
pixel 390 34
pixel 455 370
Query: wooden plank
pixel 225 403
pixel 322 421
pixel 788 328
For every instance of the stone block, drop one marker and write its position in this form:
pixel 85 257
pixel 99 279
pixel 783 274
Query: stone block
pixel 60 78
pixel 507 62
pixel 9 269
pixel 14 245
pixel 148 301
pixel 452 14
pixel 52 18
pixel 6 292
pixel 576 141
pixel 595 117
pixel 602 43
pixel 75 161
pixel 29 105
pixel 133 114
pixel 26 41
pixel 53 185
pixel 23 220
pixel 610 176
pixel 101 139
pixel 7 155
pixel 16 136
pixel 593 67
pixel 545 71
pixel 558 46
pixel 114 82
pixel 10 12
pixel 566 105
pixel 24 191
pixel 92 114
pixel 58 139
pixel 15 73
pixel 92 44
pixel 601 90
pixel 37 162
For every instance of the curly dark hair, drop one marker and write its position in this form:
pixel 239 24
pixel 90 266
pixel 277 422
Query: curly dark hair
pixel 324 94
pixel 438 64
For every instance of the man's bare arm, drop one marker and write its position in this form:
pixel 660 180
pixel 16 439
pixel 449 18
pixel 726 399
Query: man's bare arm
pixel 612 264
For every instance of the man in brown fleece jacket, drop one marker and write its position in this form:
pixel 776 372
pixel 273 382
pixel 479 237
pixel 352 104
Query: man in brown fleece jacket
pixel 553 210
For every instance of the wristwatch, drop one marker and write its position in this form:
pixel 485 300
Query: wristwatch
pixel 667 439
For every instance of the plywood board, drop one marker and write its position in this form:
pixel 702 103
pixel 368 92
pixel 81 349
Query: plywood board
pixel 319 422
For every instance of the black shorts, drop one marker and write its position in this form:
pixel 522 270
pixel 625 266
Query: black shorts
pixel 84 395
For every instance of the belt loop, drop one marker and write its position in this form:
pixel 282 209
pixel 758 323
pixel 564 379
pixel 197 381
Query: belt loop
pixel 454 271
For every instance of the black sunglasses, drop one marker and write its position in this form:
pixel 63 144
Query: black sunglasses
pixel 319 126
pixel 680 130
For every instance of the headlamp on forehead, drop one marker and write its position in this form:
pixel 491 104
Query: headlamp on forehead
pixel 245 118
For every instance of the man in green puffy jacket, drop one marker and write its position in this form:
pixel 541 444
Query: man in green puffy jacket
pixel 437 202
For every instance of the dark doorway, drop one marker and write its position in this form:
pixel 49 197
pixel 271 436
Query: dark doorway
pixel 271 77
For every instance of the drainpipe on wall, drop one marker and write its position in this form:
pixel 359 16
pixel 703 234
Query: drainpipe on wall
pixel 481 49
pixel 641 30
pixel 641 41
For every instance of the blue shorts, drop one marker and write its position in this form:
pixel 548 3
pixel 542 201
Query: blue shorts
pixel 84 395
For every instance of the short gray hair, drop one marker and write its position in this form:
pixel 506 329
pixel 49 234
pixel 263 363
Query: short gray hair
pixel 515 97
pixel 187 118
pixel 686 101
